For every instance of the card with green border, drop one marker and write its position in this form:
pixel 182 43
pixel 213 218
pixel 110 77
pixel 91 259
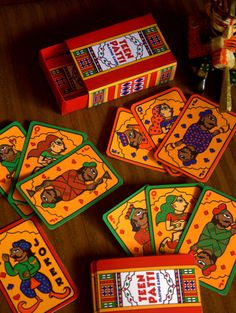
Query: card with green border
pixel 210 236
pixel 70 185
pixel 44 145
pixel 169 208
pixel 12 138
pixel 128 222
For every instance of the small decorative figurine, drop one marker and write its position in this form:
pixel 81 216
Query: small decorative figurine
pixel 212 45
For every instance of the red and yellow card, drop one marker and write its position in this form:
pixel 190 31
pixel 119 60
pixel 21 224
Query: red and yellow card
pixel 70 185
pixel 197 140
pixel 210 236
pixel 12 140
pixel 129 143
pixel 32 277
pixel 158 113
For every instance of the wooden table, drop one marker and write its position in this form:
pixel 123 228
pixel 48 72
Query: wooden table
pixel 26 27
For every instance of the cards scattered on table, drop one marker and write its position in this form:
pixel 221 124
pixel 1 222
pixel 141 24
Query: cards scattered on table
pixel 32 277
pixel 129 143
pixel 52 171
pixel 186 218
pixel 44 144
pixel 187 137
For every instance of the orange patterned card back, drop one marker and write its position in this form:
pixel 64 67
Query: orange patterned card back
pixel 32 277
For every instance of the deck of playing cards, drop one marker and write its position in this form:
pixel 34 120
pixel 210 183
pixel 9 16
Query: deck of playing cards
pixel 155 283
pixel 107 64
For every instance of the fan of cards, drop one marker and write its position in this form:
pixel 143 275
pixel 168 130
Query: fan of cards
pixel 184 218
pixel 166 133
pixel 52 171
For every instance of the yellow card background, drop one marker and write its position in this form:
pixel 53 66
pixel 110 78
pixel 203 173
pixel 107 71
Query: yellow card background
pixel 128 152
pixel 75 161
pixel 225 263
pixel 13 137
pixel 122 226
pixel 28 231
pixel 143 111
pixel 39 133
pixel 201 168
pixel 157 197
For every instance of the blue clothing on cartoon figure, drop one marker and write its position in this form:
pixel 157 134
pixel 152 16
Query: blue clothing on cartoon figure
pixel 27 268
pixel 197 138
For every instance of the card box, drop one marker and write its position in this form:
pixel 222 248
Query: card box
pixel 146 284
pixel 112 62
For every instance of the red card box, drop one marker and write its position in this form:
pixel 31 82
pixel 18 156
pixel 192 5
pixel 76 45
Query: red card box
pixel 149 284
pixel 112 62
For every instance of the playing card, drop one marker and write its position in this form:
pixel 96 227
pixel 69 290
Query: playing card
pixel 169 208
pixel 44 145
pixel 158 113
pixel 70 185
pixel 32 277
pixel 210 236
pixel 129 143
pixel 198 139
pixel 128 222
pixel 12 139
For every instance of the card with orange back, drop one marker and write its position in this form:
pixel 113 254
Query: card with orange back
pixel 169 208
pixel 158 113
pixel 210 236
pixel 195 144
pixel 32 277
pixel 129 143
pixel 128 222
pixel 12 138
pixel 44 145
pixel 70 185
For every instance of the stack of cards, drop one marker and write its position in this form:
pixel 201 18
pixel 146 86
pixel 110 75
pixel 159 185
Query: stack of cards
pixel 32 277
pixel 152 284
pixel 166 133
pixel 186 218
pixel 53 171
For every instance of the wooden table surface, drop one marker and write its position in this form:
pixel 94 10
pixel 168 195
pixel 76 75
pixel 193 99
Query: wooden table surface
pixel 28 26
